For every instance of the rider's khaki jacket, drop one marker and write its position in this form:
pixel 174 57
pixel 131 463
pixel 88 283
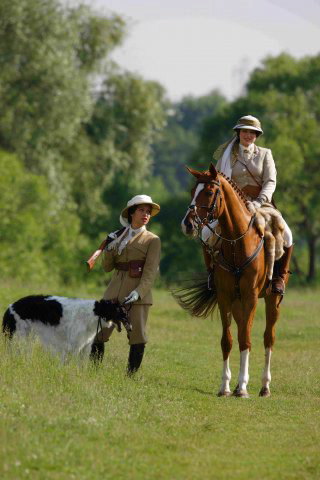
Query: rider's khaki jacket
pixel 261 166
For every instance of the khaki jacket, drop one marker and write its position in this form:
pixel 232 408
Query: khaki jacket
pixel 261 166
pixel 145 246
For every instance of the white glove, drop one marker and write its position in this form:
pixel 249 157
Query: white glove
pixel 132 297
pixel 112 244
pixel 256 203
pixel 252 206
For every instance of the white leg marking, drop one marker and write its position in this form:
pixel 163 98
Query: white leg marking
pixel 244 370
pixel 266 375
pixel 226 377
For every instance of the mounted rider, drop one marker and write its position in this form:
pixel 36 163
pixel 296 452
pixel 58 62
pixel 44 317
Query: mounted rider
pixel 253 169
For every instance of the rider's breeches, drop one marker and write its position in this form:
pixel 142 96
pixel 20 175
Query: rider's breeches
pixel 287 235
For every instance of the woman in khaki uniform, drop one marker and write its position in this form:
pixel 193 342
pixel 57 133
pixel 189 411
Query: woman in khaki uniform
pixel 253 169
pixel 134 254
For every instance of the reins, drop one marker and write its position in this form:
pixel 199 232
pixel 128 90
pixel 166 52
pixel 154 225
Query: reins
pixel 234 240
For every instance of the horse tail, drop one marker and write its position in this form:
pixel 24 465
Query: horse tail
pixel 195 297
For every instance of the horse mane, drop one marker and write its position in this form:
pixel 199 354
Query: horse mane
pixel 235 187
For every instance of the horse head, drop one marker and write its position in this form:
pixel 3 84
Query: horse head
pixel 205 196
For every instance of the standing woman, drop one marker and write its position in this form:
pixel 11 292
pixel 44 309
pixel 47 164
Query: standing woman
pixel 134 254
pixel 253 169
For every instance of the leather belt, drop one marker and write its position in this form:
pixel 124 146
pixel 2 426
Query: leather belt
pixel 122 266
pixel 134 267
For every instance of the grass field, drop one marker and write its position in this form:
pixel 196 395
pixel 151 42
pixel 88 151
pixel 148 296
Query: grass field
pixel 76 422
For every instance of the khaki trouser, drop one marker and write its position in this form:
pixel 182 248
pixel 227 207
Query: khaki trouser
pixel 138 315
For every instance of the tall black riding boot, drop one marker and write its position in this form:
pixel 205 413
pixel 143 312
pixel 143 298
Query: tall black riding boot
pixel 135 358
pixel 97 352
pixel 280 271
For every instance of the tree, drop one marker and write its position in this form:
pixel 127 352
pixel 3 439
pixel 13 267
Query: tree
pixel 116 147
pixel 37 242
pixel 178 142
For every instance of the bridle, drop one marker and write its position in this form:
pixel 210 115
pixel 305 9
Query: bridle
pixel 210 209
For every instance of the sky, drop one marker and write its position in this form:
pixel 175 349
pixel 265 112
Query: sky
pixel 193 47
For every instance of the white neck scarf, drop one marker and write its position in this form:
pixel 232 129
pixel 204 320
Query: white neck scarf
pixel 246 152
pixel 121 242
pixel 226 159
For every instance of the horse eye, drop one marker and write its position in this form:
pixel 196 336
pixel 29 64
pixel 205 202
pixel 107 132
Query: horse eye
pixel 209 194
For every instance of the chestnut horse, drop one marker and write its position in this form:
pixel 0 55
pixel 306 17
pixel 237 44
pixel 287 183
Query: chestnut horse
pixel 239 273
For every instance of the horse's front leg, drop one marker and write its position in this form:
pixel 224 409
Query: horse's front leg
pixel 272 315
pixel 226 345
pixel 243 313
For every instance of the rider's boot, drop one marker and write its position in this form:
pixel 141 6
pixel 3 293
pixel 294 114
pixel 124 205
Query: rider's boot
pixel 280 271
pixel 135 358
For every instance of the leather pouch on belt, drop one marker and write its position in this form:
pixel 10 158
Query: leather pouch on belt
pixel 252 191
pixel 136 268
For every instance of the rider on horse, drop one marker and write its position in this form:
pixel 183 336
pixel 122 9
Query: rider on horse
pixel 253 169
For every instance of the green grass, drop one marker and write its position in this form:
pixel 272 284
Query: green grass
pixel 76 422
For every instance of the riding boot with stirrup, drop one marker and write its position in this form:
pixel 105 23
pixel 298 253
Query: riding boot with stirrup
pixel 135 358
pixel 280 271
pixel 97 352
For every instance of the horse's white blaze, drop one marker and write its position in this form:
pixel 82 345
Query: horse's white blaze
pixel 226 377
pixel 193 202
pixel 244 370
pixel 266 375
pixel 200 187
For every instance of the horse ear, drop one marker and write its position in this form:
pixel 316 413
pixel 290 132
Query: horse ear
pixel 213 171
pixel 193 172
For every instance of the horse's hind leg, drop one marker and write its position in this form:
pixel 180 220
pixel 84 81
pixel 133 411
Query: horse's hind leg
pixel 226 345
pixel 272 315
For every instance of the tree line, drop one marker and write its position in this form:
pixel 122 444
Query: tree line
pixel 79 136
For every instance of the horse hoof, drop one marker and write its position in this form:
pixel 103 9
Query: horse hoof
pixel 224 394
pixel 264 392
pixel 240 394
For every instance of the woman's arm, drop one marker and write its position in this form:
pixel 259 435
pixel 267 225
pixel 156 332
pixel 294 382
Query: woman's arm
pixel 108 260
pixel 150 268
pixel 269 177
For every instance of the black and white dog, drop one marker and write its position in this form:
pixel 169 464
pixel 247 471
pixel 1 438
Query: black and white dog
pixel 64 325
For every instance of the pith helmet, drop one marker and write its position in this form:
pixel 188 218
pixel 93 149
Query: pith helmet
pixel 138 200
pixel 250 123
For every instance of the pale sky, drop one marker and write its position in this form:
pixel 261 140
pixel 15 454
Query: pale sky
pixel 196 46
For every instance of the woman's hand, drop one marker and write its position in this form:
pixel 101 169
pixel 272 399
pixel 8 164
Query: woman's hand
pixel 132 297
